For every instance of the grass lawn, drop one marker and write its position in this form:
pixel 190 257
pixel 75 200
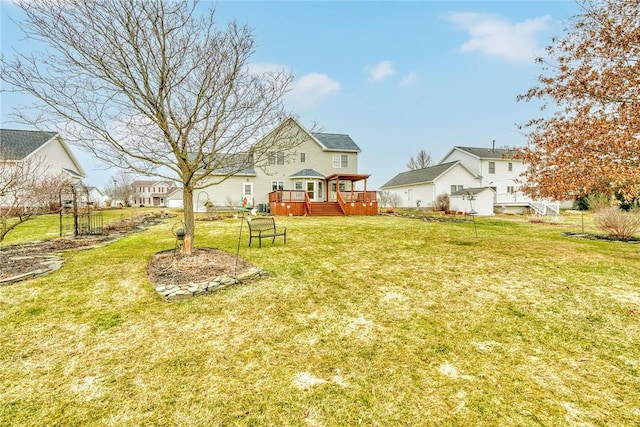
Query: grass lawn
pixel 364 321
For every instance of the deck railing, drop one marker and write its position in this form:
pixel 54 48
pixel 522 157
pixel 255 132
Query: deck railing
pixel 358 196
pixel 280 196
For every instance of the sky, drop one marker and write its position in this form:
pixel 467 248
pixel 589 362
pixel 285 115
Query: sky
pixel 396 76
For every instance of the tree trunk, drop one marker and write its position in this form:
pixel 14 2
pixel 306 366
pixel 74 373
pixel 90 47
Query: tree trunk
pixel 189 221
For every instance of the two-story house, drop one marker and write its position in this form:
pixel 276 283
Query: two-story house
pixel 151 193
pixel 317 177
pixel 493 169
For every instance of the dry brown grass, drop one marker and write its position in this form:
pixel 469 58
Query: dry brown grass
pixel 373 321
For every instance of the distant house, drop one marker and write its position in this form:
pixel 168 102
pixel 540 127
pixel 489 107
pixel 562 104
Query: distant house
pixel 96 197
pixel 318 177
pixel 50 147
pixel 487 168
pixel 151 193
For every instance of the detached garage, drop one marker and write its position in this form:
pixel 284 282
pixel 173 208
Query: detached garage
pixel 480 200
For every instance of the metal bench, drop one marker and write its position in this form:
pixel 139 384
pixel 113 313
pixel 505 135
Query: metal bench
pixel 263 227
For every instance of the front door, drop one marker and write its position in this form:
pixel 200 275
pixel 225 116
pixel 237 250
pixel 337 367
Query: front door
pixel 311 190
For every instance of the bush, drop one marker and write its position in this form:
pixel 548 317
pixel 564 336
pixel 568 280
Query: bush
pixel 597 202
pixel 442 203
pixel 618 223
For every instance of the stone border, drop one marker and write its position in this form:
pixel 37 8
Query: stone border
pixel 51 263
pixel 185 291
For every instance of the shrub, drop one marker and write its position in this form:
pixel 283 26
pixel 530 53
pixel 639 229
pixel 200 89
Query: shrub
pixel 442 203
pixel 618 223
pixel 597 202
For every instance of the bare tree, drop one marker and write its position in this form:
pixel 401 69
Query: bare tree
pixel 153 87
pixel 421 161
pixel 119 187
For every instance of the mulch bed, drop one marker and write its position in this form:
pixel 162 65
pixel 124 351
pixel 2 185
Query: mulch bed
pixel 601 237
pixel 203 264
pixel 16 260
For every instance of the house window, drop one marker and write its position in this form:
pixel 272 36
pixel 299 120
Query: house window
pixel 510 167
pixel 511 189
pixel 277 185
pixel 342 187
pixel 340 161
pixel 455 188
pixel 298 185
pixel 280 158
pixel 303 157
pixel 271 158
pixel 492 167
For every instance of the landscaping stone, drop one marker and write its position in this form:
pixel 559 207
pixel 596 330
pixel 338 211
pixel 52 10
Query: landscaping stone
pixel 171 292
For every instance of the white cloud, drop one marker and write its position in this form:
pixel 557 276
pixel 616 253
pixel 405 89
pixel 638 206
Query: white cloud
pixel 409 79
pixel 380 71
pixel 313 87
pixel 305 90
pixel 497 36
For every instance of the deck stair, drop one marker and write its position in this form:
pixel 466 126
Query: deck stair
pixel 325 209
pixel 546 208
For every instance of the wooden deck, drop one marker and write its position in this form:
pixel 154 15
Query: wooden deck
pixel 297 203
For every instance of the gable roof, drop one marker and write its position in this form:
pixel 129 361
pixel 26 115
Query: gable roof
pixel 336 141
pixel 18 144
pixel 307 173
pixel 476 190
pixel 422 176
pixel 485 153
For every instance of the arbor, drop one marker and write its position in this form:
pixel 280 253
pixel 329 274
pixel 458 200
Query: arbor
pixel 421 161
pixel 152 87
pixel 592 141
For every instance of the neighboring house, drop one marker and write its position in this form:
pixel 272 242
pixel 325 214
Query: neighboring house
pixel 57 157
pixel 97 198
pixel 421 187
pixel 151 193
pixel 174 198
pixel 488 168
pixel 318 177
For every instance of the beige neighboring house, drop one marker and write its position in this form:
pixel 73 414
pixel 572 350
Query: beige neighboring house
pixel 152 193
pixel 318 177
pixel 21 145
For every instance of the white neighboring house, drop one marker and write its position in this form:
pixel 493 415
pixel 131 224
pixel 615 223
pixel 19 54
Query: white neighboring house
pixel 96 197
pixel 20 145
pixel 49 147
pixel 421 187
pixel 492 168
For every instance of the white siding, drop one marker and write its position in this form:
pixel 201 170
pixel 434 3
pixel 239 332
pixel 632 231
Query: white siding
pixel 57 158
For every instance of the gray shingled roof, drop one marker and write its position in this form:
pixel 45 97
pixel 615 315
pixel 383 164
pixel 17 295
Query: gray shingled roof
pixel 18 144
pixel 488 153
pixel 335 141
pixel 307 173
pixel 419 176
pixel 475 190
